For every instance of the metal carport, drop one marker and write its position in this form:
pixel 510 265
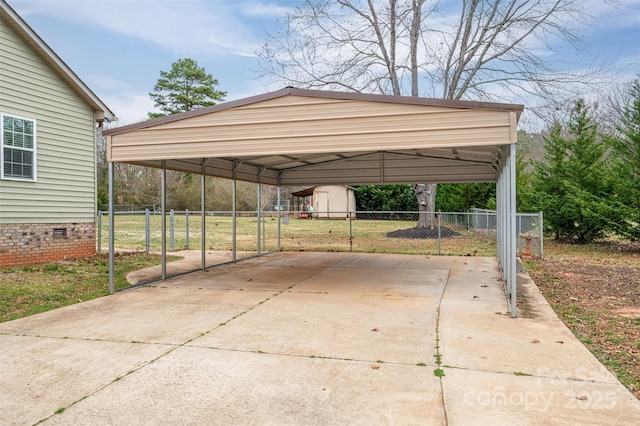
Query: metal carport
pixel 310 137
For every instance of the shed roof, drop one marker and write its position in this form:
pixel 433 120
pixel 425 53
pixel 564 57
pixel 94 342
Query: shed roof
pixel 310 137
pixel 20 27
pixel 304 193
pixel 309 191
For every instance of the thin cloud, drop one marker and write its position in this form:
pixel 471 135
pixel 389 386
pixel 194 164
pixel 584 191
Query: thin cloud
pixel 129 107
pixel 615 13
pixel 185 27
pixel 262 9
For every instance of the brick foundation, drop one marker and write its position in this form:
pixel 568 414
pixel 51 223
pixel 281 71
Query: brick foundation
pixel 28 244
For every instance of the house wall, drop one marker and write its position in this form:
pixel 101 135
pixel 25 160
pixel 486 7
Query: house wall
pixel 27 244
pixel 65 190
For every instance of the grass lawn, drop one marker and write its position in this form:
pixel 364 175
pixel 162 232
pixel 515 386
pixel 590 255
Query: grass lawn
pixel 297 235
pixel 595 290
pixel 29 290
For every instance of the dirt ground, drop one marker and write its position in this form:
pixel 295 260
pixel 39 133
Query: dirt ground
pixel 596 291
pixel 423 233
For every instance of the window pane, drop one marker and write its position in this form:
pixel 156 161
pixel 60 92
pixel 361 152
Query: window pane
pixel 28 127
pixel 18 163
pixel 8 138
pixel 8 123
pixel 18 125
pixel 28 141
pixel 18 139
pixel 27 171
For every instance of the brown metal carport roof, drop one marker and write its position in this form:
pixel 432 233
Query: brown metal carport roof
pixel 310 137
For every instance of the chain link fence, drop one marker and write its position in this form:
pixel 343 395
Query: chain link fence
pixel 458 233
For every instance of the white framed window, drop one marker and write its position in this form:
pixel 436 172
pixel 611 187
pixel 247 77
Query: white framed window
pixel 18 148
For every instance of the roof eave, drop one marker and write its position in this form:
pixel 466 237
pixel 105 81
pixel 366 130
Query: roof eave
pixel 197 112
pixel 411 100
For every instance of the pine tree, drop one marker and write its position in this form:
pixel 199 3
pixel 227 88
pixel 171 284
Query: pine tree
pixel 626 163
pixel 460 197
pixel 523 174
pixel 550 188
pixel 184 88
pixel 570 185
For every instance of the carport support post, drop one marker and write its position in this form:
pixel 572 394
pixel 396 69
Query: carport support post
pixel 512 228
pixel 258 216
pixel 233 210
pixel 202 218
pixel 172 227
pixel 163 218
pixel 500 212
pixel 111 231
pixel 500 221
pixel 99 232
pixel 506 197
pixel 279 215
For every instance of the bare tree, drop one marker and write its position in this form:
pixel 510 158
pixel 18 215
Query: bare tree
pixel 133 185
pixel 482 49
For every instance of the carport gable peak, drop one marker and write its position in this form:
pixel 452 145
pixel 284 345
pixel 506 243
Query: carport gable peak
pixel 291 91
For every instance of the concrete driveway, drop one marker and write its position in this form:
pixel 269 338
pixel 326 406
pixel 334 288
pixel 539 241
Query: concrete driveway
pixel 309 339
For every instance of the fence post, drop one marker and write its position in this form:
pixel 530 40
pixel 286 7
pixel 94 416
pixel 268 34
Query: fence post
pixel 99 232
pixel 350 232
pixel 439 234
pixel 519 230
pixel 171 230
pixel 541 227
pixel 147 230
pixel 486 218
pixel 186 224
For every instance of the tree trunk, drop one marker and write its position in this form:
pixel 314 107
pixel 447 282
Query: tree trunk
pixel 426 196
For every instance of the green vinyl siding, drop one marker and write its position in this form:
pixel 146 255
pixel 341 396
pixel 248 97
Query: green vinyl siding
pixel 65 188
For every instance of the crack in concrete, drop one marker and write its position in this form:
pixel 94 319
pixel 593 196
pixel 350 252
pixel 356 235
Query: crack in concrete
pixel 438 355
pixel 292 355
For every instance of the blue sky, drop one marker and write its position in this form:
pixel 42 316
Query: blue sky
pixel 118 47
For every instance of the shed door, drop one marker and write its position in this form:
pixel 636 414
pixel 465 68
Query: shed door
pixel 323 204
